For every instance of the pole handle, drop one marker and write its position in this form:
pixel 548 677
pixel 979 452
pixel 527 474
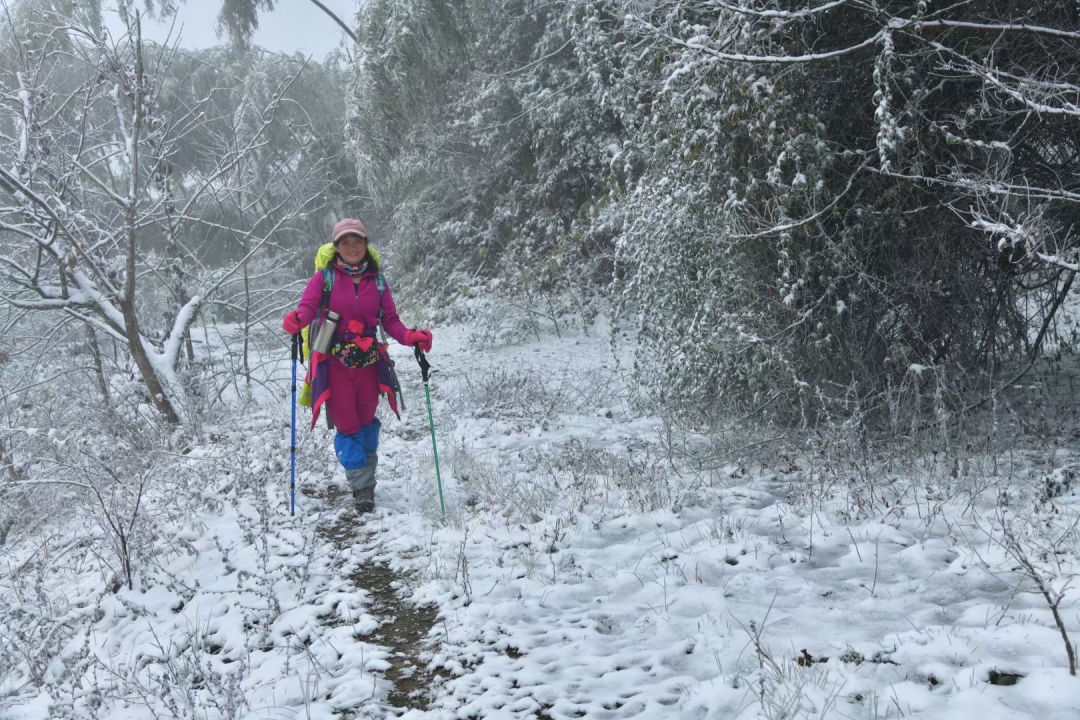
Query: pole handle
pixel 298 348
pixel 425 366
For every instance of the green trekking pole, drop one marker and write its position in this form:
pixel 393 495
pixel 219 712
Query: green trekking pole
pixel 425 370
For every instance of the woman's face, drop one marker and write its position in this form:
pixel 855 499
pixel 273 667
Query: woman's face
pixel 352 249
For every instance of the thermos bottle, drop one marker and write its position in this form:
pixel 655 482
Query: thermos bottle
pixel 326 332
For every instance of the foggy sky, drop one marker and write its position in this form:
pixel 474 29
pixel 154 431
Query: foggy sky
pixel 294 25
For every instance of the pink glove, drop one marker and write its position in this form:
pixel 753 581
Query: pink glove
pixel 293 323
pixel 419 337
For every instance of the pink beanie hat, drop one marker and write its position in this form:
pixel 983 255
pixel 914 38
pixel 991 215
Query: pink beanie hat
pixel 348 226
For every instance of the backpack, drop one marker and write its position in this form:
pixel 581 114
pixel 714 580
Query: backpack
pixel 322 262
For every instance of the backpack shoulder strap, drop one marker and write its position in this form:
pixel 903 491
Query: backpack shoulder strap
pixel 327 286
pixel 380 283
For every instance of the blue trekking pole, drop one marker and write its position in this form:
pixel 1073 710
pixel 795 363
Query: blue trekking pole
pixel 425 370
pixel 297 345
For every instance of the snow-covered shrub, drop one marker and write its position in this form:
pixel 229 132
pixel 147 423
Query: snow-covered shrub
pixel 568 480
pixel 522 395
pixel 638 477
pixel 786 687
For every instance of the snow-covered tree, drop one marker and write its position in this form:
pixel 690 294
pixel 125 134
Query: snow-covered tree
pixel 96 210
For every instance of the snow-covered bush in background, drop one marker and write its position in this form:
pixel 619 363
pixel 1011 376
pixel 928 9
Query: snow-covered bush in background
pixel 790 202
pixel 775 254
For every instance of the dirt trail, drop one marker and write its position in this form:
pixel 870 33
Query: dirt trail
pixel 403 626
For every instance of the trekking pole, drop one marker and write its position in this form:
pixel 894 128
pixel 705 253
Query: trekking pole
pixel 297 345
pixel 425 368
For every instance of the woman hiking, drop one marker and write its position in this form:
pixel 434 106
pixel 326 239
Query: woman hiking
pixel 353 287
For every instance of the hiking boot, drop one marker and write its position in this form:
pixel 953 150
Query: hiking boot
pixel 365 500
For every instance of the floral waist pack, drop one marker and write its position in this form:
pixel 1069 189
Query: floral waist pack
pixel 355 346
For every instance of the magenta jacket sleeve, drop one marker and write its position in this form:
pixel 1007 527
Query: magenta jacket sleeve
pixel 390 320
pixel 311 299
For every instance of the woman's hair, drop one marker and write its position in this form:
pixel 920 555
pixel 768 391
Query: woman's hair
pixel 372 263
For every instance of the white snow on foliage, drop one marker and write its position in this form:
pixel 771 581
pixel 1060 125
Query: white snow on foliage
pixel 582 571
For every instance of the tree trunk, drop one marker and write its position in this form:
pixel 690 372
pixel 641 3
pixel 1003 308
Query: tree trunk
pixel 247 317
pixel 99 373
pixel 131 320
pixel 146 368
pixel 7 461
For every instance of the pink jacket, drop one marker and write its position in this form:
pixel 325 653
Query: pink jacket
pixel 353 302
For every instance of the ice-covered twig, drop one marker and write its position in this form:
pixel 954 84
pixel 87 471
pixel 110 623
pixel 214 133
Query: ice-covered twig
pixel 1053 597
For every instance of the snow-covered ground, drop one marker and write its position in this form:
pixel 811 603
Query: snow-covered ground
pixel 594 562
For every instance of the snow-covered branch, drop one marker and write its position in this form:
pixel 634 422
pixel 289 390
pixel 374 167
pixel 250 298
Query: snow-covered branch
pixel 1014 234
pixel 698 46
pixel 988 186
pixel 1059 261
pixel 994 27
pixel 20 190
pixel 781 14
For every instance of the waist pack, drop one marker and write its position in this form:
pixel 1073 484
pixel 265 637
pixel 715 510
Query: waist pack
pixel 355 346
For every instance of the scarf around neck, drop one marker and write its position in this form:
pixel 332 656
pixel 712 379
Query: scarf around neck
pixel 353 270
